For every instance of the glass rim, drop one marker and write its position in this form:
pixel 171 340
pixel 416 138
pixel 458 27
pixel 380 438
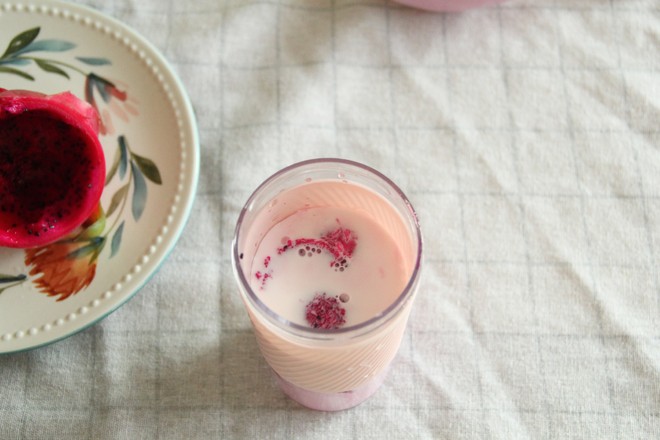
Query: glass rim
pixel 318 333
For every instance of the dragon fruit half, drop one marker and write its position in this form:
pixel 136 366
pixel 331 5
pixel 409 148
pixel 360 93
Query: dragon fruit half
pixel 52 167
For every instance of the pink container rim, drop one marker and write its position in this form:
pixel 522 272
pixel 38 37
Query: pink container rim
pixel 447 5
pixel 317 333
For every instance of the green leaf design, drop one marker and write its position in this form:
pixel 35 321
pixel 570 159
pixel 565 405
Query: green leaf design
pixel 116 199
pixel 148 168
pixel 92 61
pixel 48 46
pixel 101 85
pixel 50 68
pixel 114 167
pixel 21 40
pixel 123 159
pixel 13 71
pixel 141 170
pixel 15 61
pixel 116 240
pixel 11 278
pixel 139 192
pixel 88 249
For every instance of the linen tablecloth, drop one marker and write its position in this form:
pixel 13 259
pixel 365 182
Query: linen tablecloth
pixel 526 136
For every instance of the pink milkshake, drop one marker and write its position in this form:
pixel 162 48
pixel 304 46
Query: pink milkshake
pixel 327 256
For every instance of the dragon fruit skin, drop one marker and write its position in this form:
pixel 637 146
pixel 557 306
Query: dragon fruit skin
pixel 52 166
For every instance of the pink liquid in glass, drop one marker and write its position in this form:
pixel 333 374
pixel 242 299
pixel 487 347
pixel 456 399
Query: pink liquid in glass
pixel 298 260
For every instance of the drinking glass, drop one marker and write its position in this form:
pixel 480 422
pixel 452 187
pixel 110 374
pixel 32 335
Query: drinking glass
pixel 328 369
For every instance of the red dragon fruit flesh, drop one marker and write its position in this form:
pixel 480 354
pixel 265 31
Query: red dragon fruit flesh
pixel 52 167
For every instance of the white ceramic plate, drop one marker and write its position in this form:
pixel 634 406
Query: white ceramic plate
pixel 50 47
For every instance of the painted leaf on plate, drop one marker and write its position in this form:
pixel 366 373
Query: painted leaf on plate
pixel 21 40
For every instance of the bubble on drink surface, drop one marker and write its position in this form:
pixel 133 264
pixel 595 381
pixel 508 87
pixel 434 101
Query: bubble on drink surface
pixel 286 244
pixel 344 297
pixel 341 265
pixel 308 179
pixel 272 203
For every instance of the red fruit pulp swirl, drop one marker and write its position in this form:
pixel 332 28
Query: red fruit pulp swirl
pixel 323 311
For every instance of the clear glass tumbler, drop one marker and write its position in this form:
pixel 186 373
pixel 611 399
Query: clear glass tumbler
pixel 328 369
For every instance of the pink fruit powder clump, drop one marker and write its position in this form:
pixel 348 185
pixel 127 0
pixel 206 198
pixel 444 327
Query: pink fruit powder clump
pixel 325 312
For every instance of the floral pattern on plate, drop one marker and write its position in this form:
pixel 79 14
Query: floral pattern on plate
pixel 66 267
